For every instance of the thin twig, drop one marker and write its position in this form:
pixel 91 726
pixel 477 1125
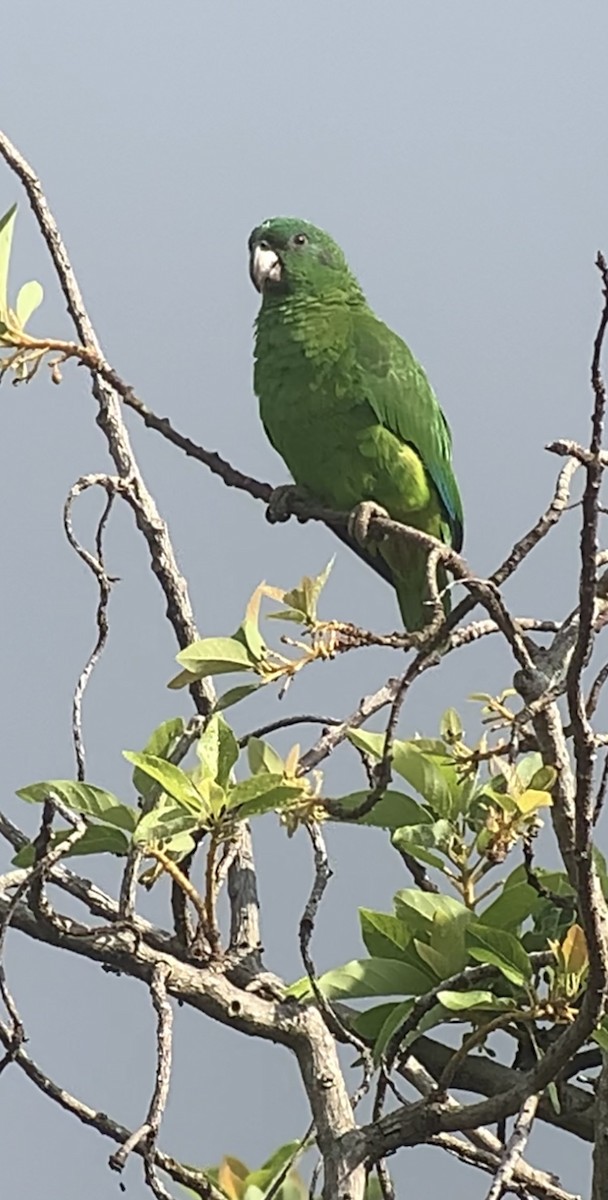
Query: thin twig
pixel 323 874
pixel 595 690
pixel 188 1176
pixel 35 874
pixel 110 420
pixel 514 1148
pixel 601 792
pixel 104 582
pixel 148 1132
pixel 286 723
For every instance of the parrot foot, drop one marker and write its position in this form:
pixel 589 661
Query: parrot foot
pixel 359 521
pixel 284 502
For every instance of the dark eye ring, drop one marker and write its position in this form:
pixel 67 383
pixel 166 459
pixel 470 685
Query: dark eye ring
pixel 300 239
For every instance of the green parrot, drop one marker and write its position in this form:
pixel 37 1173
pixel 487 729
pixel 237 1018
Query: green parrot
pixel 348 407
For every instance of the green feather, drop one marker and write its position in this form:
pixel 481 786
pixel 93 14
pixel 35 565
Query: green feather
pixel 346 404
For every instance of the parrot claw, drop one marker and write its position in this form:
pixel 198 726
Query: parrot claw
pixel 360 518
pixel 283 503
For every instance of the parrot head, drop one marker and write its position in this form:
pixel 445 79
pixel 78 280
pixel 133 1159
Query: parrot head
pixel 287 255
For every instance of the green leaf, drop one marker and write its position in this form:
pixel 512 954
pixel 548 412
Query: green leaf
pixel 260 794
pixel 384 935
pixel 465 1001
pixel 366 977
pixel 29 298
pixel 369 1023
pixel 301 602
pixel 544 779
pixel 172 779
pixel 400 1013
pixel 432 776
pixel 527 768
pixel 434 779
pixel 166 821
pixel 502 950
pixel 393 811
pixel 419 909
pixel 161 743
pixel 83 798
pixel 217 750
pixel 425 856
pixel 7 225
pixel 600 1036
pixel 263 758
pixel 179 846
pixel 451 727
pixel 235 694
pixel 445 953
pixel 439 836
pixel 216 656
pixel 97 839
pixel 268 1173
pixel 511 908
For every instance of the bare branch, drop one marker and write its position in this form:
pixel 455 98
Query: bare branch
pixel 600 1148
pixel 584 745
pixel 187 1176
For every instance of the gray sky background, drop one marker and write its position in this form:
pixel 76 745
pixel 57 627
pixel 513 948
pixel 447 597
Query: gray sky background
pixel 457 151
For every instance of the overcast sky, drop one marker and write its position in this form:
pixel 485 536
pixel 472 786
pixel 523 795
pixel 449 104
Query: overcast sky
pixel 458 153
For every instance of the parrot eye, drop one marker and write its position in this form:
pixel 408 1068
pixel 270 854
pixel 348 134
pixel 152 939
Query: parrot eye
pixel 300 239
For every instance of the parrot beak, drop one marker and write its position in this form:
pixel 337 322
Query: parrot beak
pixel 264 266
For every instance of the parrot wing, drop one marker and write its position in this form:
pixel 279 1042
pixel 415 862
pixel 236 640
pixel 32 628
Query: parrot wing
pixel 403 401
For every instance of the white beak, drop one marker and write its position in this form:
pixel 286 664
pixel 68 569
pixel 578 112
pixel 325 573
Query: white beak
pixel 265 266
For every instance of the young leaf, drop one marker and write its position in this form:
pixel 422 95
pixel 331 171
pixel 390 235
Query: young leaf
pixel 97 839
pixel 531 800
pixel 83 798
pixel 217 750
pixel 263 758
pixel 573 953
pixel 7 225
pixel 301 602
pixel 29 298
pixel 249 631
pixel 216 656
